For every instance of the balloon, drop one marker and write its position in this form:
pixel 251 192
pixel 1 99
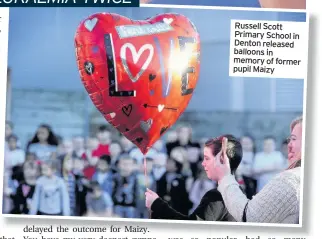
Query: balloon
pixel 140 75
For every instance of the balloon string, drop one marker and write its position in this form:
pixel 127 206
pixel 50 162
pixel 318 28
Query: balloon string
pixel 146 180
pixel 145 173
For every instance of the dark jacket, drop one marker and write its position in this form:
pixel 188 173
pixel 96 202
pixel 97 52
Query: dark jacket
pixel 211 208
pixel 125 190
pixel 174 192
pixel 24 192
pixel 190 144
pixel 81 190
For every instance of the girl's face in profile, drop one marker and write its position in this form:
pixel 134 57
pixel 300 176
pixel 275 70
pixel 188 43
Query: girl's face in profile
pixel 209 163
pixel 295 144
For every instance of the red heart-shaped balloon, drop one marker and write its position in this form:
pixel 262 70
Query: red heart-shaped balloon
pixel 139 74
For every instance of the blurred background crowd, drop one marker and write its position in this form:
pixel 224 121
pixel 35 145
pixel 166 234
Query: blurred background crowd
pixel 83 167
pixel 104 175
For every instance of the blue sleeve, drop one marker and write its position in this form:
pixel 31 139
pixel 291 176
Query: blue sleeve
pixel 65 199
pixel 109 184
pixel 35 200
pixel 108 200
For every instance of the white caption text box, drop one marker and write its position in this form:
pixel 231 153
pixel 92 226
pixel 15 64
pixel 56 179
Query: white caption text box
pixel 270 49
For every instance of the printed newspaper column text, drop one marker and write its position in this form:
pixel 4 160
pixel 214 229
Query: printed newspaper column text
pixel 274 49
pixel 83 232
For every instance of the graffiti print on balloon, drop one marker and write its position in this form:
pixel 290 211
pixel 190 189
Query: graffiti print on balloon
pixel 142 73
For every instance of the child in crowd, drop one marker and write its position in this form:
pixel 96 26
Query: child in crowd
pixel 172 186
pixel 82 187
pixel 44 143
pixel 125 188
pixel 103 174
pixel 78 147
pixel 199 188
pixel 31 157
pixel 6 201
pixel 23 197
pixel 99 203
pixel 115 151
pixel 104 138
pixel 16 156
pixel 70 182
pixel 51 194
pixel 14 180
pixel 91 157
